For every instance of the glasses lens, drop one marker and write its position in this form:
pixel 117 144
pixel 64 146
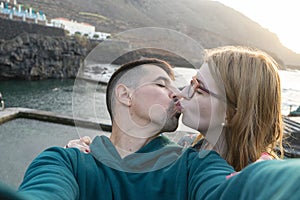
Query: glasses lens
pixel 191 89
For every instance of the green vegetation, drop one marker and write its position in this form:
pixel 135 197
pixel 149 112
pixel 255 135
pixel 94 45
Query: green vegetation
pixel 26 7
pixel 83 41
pixel 67 32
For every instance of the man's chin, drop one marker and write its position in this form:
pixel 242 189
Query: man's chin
pixel 177 115
pixel 171 126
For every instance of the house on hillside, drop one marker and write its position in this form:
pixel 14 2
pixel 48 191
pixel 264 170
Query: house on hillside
pixel 73 28
pixel 10 9
pixel 12 2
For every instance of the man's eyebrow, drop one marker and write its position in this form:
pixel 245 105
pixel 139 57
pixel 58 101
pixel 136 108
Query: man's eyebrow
pixel 162 78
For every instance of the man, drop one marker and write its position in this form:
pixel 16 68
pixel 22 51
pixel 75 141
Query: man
pixel 135 162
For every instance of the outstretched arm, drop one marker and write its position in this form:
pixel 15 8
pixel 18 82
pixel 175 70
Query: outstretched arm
pixel 271 179
pixel 51 176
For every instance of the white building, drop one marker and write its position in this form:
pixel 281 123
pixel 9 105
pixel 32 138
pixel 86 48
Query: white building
pixel 74 27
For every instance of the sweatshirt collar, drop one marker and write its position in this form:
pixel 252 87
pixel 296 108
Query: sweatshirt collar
pixel 155 155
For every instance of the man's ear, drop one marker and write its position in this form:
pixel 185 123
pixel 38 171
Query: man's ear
pixel 123 94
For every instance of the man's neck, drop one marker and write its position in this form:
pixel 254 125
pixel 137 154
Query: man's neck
pixel 127 144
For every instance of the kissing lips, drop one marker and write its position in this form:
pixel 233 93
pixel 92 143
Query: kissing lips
pixel 178 106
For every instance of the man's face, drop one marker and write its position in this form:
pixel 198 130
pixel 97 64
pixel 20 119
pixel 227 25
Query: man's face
pixel 154 101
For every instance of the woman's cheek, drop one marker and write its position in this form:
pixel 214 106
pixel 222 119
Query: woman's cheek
pixel 189 116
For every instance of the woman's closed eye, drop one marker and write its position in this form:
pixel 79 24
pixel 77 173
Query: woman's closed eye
pixel 199 91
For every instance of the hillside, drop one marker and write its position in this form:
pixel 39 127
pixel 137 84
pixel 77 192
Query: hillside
pixel 208 22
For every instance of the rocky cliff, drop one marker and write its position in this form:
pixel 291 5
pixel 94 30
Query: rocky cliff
pixel 30 51
pixel 35 56
pixel 208 22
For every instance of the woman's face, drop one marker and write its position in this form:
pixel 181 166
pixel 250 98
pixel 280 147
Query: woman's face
pixel 203 110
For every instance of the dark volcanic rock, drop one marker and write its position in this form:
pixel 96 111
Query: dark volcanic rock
pixel 210 23
pixel 33 56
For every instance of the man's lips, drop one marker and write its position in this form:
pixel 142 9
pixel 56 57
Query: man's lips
pixel 178 107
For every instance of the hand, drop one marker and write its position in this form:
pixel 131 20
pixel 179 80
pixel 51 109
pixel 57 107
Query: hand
pixel 82 144
pixel 264 156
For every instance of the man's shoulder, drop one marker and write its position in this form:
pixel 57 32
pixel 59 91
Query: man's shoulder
pixel 61 154
pixel 60 160
pixel 56 150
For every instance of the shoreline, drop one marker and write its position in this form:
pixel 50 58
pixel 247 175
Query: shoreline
pixel 292 68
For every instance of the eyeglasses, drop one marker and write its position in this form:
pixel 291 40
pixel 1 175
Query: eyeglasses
pixel 195 86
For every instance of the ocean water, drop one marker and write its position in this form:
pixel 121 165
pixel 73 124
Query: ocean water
pixel 290 84
pixel 50 95
pixel 88 99
pixel 58 96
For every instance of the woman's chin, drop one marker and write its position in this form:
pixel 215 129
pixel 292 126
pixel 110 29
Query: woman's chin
pixel 188 122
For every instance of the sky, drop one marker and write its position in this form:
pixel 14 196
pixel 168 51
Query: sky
pixel 281 17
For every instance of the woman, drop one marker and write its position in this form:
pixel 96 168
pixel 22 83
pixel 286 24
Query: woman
pixel 244 85
pixel 234 100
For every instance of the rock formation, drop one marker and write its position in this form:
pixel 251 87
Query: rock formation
pixel 34 57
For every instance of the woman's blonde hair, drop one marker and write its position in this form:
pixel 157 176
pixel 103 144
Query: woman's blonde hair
pixel 252 84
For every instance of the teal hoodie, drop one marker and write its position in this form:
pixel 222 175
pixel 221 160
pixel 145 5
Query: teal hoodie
pixel 159 170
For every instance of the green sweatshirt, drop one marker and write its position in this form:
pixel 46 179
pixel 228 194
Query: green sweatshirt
pixel 159 170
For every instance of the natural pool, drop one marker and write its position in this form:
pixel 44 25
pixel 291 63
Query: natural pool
pixel 23 139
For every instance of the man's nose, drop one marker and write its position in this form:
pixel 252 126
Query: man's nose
pixel 184 92
pixel 174 93
pixel 174 96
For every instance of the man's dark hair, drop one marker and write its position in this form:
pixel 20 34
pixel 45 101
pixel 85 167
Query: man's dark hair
pixel 128 67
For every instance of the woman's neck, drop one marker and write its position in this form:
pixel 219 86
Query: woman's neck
pixel 220 146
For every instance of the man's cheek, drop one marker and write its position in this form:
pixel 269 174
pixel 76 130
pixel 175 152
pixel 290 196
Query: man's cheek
pixel 157 113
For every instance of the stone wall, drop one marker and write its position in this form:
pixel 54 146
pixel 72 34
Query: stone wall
pixel 10 29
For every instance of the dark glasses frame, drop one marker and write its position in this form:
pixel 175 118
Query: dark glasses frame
pixel 194 85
